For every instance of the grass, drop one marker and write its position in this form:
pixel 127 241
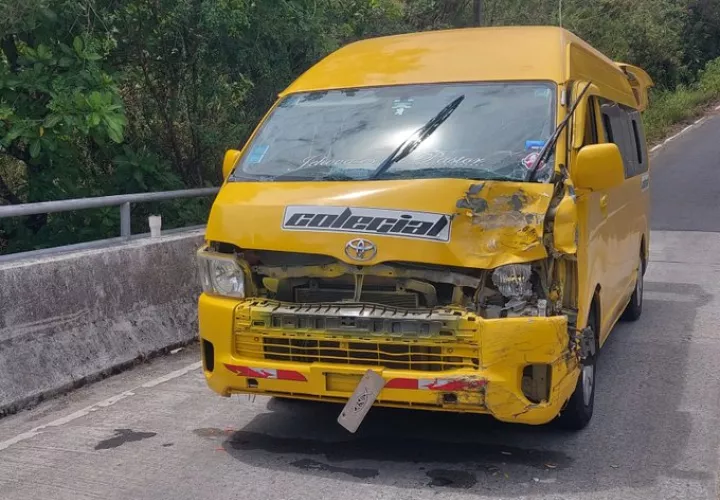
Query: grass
pixel 670 108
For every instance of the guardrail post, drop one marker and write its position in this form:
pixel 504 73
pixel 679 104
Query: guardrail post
pixel 125 230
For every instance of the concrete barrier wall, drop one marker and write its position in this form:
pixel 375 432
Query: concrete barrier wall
pixel 70 318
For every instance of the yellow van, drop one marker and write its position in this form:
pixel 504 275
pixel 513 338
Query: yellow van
pixel 451 220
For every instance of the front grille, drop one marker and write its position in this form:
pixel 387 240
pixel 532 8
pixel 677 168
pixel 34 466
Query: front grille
pixel 401 356
pixel 357 334
pixel 389 298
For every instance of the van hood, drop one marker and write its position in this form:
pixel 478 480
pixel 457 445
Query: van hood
pixel 449 222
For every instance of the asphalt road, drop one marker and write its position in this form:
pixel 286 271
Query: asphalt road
pixel 157 433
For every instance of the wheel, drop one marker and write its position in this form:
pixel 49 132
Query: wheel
pixel 633 311
pixel 579 410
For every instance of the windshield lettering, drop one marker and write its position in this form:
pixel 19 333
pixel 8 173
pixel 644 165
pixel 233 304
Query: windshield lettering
pixel 325 161
pixel 440 158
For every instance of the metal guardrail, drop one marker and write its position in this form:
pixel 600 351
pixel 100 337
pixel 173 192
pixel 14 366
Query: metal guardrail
pixel 123 201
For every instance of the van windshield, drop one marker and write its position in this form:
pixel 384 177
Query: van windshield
pixel 485 131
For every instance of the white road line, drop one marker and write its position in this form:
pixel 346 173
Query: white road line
pixel 172 375
pixel 94 407
pixel 673 137
pixel 679 133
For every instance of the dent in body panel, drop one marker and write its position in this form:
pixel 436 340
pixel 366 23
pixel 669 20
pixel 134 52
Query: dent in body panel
pixel 505 217
pixel 565 219
pixel 504 223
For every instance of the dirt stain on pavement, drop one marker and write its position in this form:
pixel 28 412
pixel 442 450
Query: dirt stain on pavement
pixel 123 436
pixel 385 449
pixel 451 478
pixel 311 465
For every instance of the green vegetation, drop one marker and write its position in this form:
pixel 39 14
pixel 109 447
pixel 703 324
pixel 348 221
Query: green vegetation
pixel 102 97
pixel 670 108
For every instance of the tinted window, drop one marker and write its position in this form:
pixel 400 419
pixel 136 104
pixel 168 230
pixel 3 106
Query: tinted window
pixel 623 127
pixel 608 128
pixel 639 142
pixel 591 133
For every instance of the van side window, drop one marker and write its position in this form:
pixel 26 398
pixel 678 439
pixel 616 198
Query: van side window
pixel 591 132
pixel 623 127
pixel 639 135
pixel 637 141
pixel 608 128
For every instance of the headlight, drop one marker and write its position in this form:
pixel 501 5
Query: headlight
pixel 221 275
pixel 513 281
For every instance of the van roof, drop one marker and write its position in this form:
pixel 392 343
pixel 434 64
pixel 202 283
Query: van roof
pixel 463 55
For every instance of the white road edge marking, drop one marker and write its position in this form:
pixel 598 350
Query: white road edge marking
pixel 94 407
pixel 686 129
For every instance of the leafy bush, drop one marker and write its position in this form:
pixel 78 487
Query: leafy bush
pixel 670 108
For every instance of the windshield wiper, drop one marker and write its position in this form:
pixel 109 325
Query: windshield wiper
pixel 549 145
pixel 411 143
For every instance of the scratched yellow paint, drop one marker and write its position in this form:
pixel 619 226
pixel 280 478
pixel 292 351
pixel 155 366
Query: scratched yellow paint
pixel 479 238
pixel 565 230
pixel 502 222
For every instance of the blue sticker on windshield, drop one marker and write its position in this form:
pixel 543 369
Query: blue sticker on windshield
pixel 534 145
pixel 257 154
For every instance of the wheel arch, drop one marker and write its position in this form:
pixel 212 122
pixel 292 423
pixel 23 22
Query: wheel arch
pixel 644 254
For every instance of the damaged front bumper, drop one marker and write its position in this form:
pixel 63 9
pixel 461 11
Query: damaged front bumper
pixel 516 369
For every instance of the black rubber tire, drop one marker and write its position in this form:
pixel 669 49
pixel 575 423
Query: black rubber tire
pixel 577 413
pixel 279 403
pixel 633 311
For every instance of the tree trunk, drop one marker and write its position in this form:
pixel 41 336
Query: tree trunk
pixel 479 12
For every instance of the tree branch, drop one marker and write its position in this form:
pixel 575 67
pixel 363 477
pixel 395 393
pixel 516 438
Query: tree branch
pixel 7 194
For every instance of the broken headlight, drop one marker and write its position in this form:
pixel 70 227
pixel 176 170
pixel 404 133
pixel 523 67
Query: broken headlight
pixel 221 275
pixel 513 281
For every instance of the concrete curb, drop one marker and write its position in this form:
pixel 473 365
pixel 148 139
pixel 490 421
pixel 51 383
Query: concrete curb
pixel 72 318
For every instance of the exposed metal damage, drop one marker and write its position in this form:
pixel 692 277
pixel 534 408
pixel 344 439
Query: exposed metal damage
pixel 316 308
pixel 510 216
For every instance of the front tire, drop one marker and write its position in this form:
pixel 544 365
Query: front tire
pixel 579 410
pixel 633 311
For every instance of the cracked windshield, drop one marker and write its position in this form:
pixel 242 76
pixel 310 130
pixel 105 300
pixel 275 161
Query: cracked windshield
pixel 473 131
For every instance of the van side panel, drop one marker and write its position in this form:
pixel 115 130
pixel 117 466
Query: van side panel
pixel 613 222
pixel 600 215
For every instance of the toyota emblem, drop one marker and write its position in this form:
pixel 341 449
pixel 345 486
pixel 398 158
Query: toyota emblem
pixel 360 249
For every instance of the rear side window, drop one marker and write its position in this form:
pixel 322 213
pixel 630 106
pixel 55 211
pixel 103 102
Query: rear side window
pixel 639 136
pixel 637 141
pixel 623 126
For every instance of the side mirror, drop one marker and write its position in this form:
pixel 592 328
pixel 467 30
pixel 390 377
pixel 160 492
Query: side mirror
pixel 231 158
pixel 598 167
